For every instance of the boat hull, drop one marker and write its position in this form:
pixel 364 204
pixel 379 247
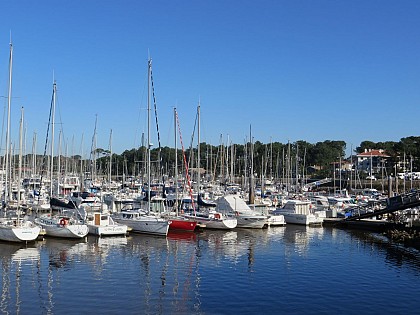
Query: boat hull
pixel 107 230
pixel 54 229
pixel 302 219
pixel 251 222
pixel 276 220
pixel 215 223
pixel 179 224
pixel 146 225
pixel 71 231
pixel 19 234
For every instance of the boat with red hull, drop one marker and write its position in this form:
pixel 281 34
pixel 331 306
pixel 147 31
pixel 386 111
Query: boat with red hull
pixel 181 224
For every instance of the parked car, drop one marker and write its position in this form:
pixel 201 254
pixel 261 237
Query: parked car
pixel 371 177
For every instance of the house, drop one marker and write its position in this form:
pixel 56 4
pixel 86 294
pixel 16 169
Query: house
pixel 372 161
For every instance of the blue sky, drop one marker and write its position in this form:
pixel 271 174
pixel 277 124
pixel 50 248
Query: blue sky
pixel 294 70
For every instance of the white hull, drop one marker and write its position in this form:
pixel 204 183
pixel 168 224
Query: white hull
pixel 215 223
pixel 302 219
pixel 276 220
pixel 103 224
pixel 10 233
pixel 251 221
pixel 107 230
pixel 147 225
pixel 54 229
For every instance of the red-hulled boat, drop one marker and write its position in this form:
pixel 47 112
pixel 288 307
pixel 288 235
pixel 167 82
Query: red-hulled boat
pixel 182 224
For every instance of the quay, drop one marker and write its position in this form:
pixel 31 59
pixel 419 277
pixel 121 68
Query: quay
pixel 372 220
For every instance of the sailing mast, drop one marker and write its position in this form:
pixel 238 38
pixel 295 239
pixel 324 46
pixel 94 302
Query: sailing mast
pixel 149 145
pixel 20 162
pixel 198 155
pixel 9 100
pixel 251 175
pixel 52 138
pixel 176 164
pixel 110 159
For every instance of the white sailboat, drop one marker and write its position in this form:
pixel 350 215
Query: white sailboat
pixel 141 221
pixel 62 226
pixel 13 228
pixel 213 220
pixel 246 217
pixel 65 224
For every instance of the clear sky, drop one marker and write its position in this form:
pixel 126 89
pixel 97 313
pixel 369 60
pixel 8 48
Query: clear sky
pixel 293 70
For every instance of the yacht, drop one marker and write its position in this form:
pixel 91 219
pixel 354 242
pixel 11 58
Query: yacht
pixel 300 212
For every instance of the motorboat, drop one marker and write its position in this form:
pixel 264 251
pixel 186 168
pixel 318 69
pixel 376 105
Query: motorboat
pixel 300 212
pixel 102 224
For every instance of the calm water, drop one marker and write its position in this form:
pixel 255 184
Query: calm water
pixel 290 270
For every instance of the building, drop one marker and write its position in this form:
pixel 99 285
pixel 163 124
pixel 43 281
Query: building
pixel 372 161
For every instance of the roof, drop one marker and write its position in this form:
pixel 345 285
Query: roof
pixel 370 152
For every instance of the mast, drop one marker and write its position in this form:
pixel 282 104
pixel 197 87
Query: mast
pixel 251 175
pixel 20 159
pixel 198 154
pixel 149 145
pixel 52 138
pixel 34 155
pixel 9 103
pixel 110 159
pixel 176 164
pixel 60 135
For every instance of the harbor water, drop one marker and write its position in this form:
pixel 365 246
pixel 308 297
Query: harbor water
pixel 281 270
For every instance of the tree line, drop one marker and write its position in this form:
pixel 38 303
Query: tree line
pixel 270 160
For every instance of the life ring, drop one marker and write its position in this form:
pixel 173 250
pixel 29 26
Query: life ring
pixel 217 216
pixel 63 222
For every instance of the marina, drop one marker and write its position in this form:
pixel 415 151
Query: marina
pixel 291 269
pixel 225 158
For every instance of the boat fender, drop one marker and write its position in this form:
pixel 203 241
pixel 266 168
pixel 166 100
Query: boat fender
pixel 63 222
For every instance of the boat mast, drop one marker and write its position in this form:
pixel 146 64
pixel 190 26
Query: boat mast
pixel 251 175
pixel 9 100
pixel 60 135
pixel 52 138
pixel 20 161
pixel 198 155
pixel 110 159
pixel 149 145
pixel 176 164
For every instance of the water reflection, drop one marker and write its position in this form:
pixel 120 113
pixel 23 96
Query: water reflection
pixel 63 253
pixel 396 255
pixel 175 274
pixel 298 238
pixel 13 258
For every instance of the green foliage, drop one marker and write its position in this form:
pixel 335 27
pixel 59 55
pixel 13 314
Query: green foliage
pixel 269 158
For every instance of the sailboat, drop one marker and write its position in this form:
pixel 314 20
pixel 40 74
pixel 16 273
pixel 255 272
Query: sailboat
pixel 13 228
pixel 247 218
pixel 178 223
pixel 141 221
pixel 210 219
pixel 67 223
